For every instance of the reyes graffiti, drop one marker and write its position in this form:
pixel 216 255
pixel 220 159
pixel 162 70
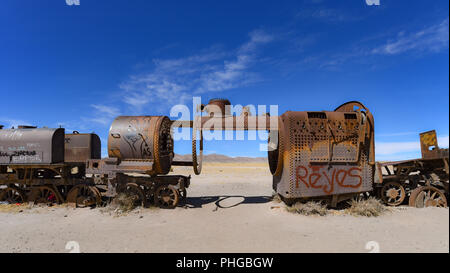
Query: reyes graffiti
pixel 328 178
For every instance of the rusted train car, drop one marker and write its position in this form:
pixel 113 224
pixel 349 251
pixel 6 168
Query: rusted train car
pixel 44 165
pixel 140 155
pixel 327 155
pixel 324 155
pixel 312 155
pixel 420 182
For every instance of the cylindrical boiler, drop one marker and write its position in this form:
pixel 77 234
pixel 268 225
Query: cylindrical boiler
pixel 31 146
pixel 142 138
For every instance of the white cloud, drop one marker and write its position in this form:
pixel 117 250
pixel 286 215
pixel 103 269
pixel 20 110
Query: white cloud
pixel 443 141
pixel 234 73
pixel 174 81
pixel 257 37
pixel 389 148
pixel 385 149
pixel 103 114
pixel 397 134
pixel 108 110
pixel 8 122
pixel 433 39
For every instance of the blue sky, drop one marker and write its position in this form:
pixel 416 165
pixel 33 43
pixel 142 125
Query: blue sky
pixel 80 66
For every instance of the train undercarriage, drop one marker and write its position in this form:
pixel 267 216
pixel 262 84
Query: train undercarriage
pixel 58 184
pixel 312 155
pixel 421 182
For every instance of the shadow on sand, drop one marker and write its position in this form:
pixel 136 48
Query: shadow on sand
pixel 227 201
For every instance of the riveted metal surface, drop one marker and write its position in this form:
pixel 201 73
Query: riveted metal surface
pixel 325 153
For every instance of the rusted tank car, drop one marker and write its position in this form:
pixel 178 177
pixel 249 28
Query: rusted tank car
pixel 142 138
pixel 31 145
pixel 44 165
pixel 140 150
pixel 418 182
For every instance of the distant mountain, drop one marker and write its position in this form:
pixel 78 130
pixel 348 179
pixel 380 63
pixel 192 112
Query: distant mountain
pixel 221 158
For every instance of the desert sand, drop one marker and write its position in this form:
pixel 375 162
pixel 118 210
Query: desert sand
pixel 229 209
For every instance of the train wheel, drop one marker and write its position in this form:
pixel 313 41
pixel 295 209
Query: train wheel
pixel 12 195
pixel 137 193
pixel 427 196
pixel 84 196
pixel 393 193
pixel 45 195
pixel 166 196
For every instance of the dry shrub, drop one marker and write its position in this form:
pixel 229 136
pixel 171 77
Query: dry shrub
pixel 122 204
pixel 309 208
pixel 276 198
pixel 370 207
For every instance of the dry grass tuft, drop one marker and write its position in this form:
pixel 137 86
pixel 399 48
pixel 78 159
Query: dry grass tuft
pixel 15 208
pixel 370 207
pixel 309 208
pixel 122 204
pixel 276 198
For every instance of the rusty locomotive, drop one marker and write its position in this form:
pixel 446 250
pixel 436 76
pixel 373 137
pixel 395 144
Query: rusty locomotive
pixel 420 182
pixel 43 164
pixel 312 155
pixel 46 165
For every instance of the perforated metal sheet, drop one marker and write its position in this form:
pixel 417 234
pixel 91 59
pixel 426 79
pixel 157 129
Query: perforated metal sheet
pixel 323 155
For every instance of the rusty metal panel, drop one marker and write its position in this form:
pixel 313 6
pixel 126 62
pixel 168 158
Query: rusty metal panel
pixel 323 153
pixel 344 136
pixel 324 136
pixel 378 177
pixel 218 107
pixel 112 166
pixel 81 147
pixel 429 146
pixel 31 146
pixel 142 137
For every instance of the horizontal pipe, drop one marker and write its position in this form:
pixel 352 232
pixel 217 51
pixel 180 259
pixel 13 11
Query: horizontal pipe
pixel 233 123
pixel 182 163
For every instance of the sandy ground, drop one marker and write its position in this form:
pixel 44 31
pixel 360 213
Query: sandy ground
pixel 228 210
